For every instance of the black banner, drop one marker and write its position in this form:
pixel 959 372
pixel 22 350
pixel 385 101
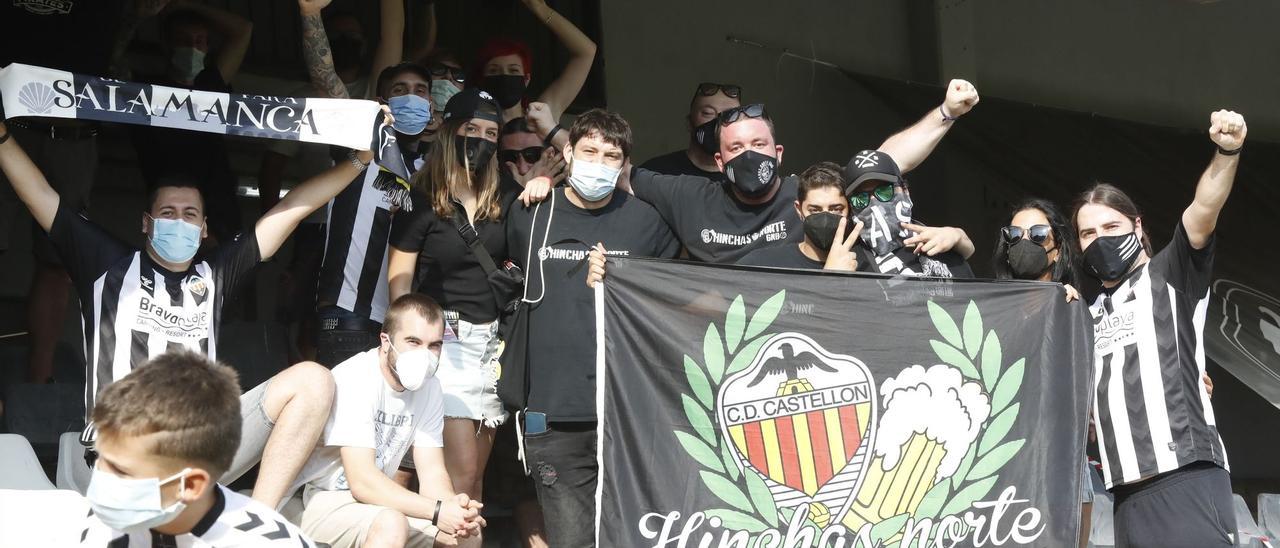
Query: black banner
pixel 746 407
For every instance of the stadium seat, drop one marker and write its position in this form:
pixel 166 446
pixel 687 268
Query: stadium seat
pixel 51 517
pixel 19 468
pixel 1247 531
pixel 73 471
pixel 1269 515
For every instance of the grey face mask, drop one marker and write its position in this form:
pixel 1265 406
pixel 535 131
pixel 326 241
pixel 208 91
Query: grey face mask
pixel 882 230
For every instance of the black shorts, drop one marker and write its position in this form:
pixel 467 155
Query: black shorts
pixel 1189 507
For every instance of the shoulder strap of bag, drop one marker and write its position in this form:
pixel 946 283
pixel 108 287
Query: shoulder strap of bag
pixel 471 236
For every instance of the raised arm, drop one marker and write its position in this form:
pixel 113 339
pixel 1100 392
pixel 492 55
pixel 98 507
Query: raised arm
pixel 274 227
pixel 315 51
pixel 235 30
pixel 582 53
pixel 1227 130
pixel 27 180
pixel 390 50
pixel 911 146
pixel 424 33
pixel 131 16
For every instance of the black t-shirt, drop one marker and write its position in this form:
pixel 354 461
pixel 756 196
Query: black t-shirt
pixel 562 341
pixel 133 309
pixel 785 255
pixel 678 163
pixel 447 269
pixel 74 35
pixel 711 223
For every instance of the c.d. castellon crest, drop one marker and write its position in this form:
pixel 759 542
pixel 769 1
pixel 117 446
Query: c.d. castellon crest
pixel 801 418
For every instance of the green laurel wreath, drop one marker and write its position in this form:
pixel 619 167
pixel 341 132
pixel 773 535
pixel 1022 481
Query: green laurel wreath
pixel 976 357
pixel 754 509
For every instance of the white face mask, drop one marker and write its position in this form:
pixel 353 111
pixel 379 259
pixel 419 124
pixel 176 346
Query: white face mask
pixel 186 63
pixel 415 366
pixel 593 181
pixel 133 505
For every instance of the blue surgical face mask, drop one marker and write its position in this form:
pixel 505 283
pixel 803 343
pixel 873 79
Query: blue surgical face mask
pixel 174 240
pixel 133 505
pixel 186 63
pixel 412 113
pixel 593 181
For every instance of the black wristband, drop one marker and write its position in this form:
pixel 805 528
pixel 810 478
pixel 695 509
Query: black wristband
pixel 435 516
pixel 1221 150
pixel 546 142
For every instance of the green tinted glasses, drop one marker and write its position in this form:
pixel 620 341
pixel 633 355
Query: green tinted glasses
pixel 860 200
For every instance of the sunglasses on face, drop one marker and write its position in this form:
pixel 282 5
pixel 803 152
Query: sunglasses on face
pixel 708 89
pixel 860 200
pixel 734 114
pixel 530 154
pixel 1038 234
pixel 441 71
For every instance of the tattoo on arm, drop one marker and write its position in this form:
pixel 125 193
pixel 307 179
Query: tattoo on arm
pixel 315 51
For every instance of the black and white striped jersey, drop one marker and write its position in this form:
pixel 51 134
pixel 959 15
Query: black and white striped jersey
pixel 235 521
pixel 353 275
pixel 133 309
pixel 1152 411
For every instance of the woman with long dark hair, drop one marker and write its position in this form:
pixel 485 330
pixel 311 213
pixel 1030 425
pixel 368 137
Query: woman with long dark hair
pixel 458 192
pixel 1039 244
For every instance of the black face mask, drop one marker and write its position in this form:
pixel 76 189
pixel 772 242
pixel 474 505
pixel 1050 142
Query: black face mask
pixel 752 173
pixel 1110 257
pixel 705 136
pixel 507 89
pixel 1027 260
pixel 474 151
pixel 347 51
pixel 820 228
pixel 882 230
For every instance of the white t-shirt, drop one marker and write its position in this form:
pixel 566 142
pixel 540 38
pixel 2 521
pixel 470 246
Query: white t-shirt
pixel 367 412
pixel 235 521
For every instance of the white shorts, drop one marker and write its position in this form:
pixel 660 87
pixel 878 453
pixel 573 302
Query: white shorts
pixel 469 371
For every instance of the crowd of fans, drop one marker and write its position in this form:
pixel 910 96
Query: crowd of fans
pixel 410 304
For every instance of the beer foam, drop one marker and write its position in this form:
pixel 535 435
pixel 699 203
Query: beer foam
pixel 935 402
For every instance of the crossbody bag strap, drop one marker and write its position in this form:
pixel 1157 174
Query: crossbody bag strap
pixel 471 237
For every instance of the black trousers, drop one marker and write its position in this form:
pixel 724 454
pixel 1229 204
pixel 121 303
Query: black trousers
pixel 563 463
pixel 1189 507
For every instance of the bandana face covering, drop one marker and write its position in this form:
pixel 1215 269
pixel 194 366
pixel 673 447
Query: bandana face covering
pixel 882 222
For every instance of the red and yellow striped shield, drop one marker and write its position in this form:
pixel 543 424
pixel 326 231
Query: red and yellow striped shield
pixel 803 419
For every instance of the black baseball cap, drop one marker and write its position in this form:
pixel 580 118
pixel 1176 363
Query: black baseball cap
pixel 473 103
pixel 870 165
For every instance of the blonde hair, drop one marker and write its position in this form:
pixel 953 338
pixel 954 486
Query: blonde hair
pixel 442 170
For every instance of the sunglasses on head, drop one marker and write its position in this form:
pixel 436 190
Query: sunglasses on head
pixel 860 200
pixel 708 89
pixel 441 71
pixel 734 114
pixel 530 154
pixel 1038 234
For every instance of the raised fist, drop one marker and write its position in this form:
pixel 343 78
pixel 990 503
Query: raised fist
pixel 961 98
pixel 311 7
pixel 1227 129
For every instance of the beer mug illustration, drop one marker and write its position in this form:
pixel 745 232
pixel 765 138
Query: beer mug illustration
pixel 930 420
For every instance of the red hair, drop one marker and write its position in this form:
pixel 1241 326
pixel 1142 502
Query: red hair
pixel 498 47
